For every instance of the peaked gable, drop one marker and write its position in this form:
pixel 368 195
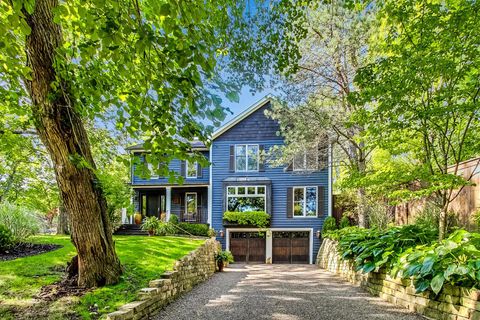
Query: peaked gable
pixel 253 124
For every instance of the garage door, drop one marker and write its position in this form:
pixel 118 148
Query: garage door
pixel 291 247
pixel 248 247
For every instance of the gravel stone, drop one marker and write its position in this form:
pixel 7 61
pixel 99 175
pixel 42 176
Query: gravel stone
pixel 280 292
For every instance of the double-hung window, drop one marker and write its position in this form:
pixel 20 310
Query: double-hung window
pixel 191 169
pixel 246 157
pixel 306 161
pixel 305 201
pixel 246 198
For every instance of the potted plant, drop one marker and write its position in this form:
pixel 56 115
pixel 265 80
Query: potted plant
pixel 137 217
pixel 150 224
pixel 223 258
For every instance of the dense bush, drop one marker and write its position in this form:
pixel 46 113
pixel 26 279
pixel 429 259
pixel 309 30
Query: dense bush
pixel 329 224
pixel 455 260
pixel 344 222
pixel 430 216
pixel 21 221
pixel 371 248
pixel 173 219
pixel 6 238
pixel 196 229
pixel 256 218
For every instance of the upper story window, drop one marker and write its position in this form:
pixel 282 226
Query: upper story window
pixel 306 161
pixel 153 171
pixel 191 169
pixel 246 157
pixel 305 201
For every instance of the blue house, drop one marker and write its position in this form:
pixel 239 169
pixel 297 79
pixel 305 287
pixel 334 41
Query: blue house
pixel 297 196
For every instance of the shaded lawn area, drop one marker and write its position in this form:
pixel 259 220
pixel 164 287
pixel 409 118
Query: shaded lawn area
pixel 143 259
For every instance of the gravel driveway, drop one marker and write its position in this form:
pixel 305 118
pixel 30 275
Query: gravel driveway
pixel 282 292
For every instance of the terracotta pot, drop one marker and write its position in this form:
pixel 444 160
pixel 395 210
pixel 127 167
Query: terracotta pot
pixel 220 266
pixel 151 232
pixel 138 218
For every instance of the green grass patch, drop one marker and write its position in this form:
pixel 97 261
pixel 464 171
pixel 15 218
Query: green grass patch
pixel 143 259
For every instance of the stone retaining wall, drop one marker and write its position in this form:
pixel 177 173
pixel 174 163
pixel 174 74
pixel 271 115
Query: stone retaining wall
pixel 192 269
pixel 452 303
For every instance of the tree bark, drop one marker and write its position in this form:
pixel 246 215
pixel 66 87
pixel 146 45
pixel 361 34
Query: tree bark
pixel 61 130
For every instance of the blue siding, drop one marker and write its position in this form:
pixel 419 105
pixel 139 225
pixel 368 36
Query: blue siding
pixel 280 180
pixel 175 166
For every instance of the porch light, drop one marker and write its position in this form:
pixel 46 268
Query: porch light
pixel 221 233
pixel 318 233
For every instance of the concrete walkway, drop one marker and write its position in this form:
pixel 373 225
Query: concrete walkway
pixel 281 292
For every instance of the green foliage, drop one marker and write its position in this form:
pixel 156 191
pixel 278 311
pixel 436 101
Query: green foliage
pixel 476 218
pixel 329 224
pixel 21 221
pixel 224 256
pixel 378 215
pixel 430 216
pixel 195 229
pixel 370 249
pixel 256 218
pixel 173 219
pixel 151 224
pixel 211 232
pixel 344 222
pixel 6 238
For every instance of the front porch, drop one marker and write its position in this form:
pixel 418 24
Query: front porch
pixel 188 203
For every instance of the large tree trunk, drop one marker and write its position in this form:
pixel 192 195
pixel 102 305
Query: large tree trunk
pixel 61 130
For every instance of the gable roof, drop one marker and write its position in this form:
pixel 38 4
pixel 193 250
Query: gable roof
pixel 254 107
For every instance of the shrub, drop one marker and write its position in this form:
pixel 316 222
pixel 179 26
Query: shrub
pixel 256 218
pixel 378 215
pixel 344 222
pixel 329 224
pixel 211 232
pixel 196 229
pixel 6 238
pixel 21 221
pixel 150 223
pixel 455 260
pixel 225 256
pixel 173 219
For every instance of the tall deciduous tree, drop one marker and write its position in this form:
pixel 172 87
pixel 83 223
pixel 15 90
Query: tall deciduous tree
pixel 425 86
pixel 335 47
pixel 152 63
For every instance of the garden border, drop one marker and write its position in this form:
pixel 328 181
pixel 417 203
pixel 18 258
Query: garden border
pixel 452 303
pixel 196 267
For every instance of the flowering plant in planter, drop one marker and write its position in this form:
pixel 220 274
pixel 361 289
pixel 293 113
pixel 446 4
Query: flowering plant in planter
pixel 151 224
pixel 259 219
pixel 223 258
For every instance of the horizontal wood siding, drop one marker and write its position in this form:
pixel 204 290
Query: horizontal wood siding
pixel 174 165
pixel 280 180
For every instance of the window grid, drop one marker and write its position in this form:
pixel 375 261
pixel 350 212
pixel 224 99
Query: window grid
pixel 243 151
pixel 303 201
pixel 188 170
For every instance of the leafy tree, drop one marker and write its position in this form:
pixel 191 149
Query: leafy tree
pixel 334 48
pixel 150 63
pixel 425 89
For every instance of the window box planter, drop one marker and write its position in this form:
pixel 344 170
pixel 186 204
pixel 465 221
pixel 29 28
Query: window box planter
pixel 249 219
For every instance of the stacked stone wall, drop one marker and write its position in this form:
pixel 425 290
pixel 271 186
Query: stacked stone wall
pixel 189 271
pixel 452 303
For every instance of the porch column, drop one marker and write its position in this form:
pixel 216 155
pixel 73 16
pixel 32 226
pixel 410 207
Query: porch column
pixel 268 249
pixel 168 201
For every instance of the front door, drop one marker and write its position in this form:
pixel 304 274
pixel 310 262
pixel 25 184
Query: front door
pixel 152 204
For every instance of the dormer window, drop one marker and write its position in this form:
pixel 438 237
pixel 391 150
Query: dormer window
pixel 191 169
pixel 246 157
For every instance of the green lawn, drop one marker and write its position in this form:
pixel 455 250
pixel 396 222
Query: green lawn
pixel 143 258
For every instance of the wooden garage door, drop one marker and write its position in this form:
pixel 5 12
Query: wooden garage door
pixel 248 247
pixel 291 247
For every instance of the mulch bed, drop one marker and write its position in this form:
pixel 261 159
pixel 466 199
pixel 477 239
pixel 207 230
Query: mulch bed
pixel 27 249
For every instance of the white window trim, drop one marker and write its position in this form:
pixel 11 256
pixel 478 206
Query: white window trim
pixel 304 201
pixel 246 157
pixel 256 195
pixel 186 170
pixel 304 168
pixel 196 201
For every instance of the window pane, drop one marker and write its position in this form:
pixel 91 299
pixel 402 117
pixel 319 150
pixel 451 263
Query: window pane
pixel 260 190
pixel 251 190
pixel 298 201
pixel 241 150
pixel 191 169
pixel 252 158
pixel 311 203
pixel 242 204
pixel 241 190
pixel 298 194
pixel 191 203
pixel 231 190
